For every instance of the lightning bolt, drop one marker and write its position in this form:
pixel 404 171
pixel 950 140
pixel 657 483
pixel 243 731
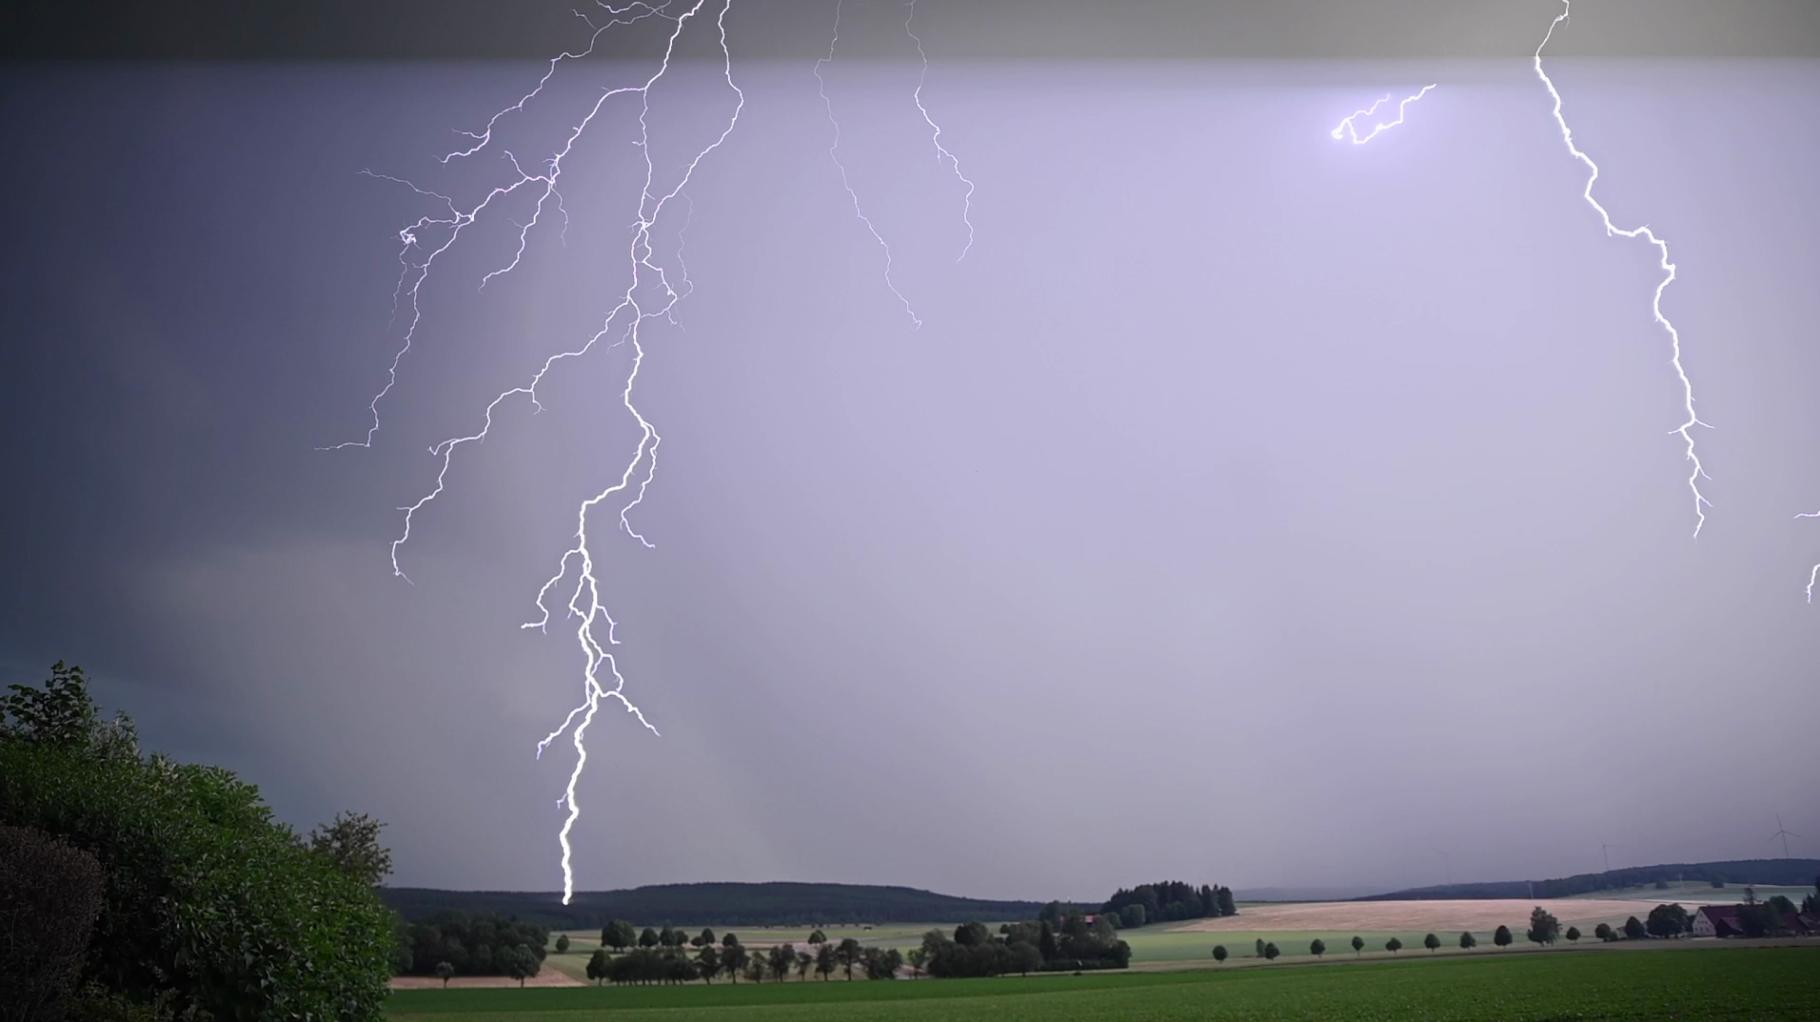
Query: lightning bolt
pixel 1685 429
pixel 651 293
pixel 1347 127
pixel 942 155
pixel 1813 577
pixel 821 86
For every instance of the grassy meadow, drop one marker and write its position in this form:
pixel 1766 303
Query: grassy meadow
pixel 1681 982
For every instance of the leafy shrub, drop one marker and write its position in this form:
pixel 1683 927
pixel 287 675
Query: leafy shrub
pixel 50 895
pixel 207 900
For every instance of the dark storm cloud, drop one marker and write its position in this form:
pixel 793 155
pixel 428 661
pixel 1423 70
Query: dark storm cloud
pixel 1252 508
pixel 961 29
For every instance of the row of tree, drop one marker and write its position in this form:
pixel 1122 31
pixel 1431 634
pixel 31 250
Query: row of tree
pixel 1168 901
pixel 661 962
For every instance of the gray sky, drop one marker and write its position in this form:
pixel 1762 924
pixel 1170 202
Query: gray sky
pixel 1251 508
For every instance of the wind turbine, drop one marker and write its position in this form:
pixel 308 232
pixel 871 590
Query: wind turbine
pixel 1784 833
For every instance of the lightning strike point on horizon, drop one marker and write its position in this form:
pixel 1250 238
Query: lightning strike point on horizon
pixel 1685 429
pixel 602 680
pixel 1347 127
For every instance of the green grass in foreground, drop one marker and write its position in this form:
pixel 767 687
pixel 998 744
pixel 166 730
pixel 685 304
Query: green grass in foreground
pixel 1684 983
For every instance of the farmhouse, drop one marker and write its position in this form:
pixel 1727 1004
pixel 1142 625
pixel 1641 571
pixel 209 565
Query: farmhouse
pixel 1717 921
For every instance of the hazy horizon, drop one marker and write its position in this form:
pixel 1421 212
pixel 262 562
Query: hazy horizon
pixel 1252 508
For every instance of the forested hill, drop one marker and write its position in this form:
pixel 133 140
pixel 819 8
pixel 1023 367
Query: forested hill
pixel 724 904
pixel 1736 872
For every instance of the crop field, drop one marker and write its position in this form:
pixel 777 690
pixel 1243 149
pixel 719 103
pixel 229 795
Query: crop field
pixel 1679 983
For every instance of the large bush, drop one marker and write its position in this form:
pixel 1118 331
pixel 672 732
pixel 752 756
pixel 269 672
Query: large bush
pixel 50 895
pixel 208 903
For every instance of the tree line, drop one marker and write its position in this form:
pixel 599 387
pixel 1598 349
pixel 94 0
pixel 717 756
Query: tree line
pixel 660 958
pixel 459 944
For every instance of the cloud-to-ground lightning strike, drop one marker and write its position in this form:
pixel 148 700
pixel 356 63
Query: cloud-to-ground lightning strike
pixel 623 321
pixel 1685 430
pixel 942 155
pixel 1347 127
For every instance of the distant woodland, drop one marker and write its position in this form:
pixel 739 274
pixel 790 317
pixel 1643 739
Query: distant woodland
pixel 1790 872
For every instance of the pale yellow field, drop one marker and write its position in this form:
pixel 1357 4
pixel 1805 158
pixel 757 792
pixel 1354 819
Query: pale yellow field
pixel 1401 916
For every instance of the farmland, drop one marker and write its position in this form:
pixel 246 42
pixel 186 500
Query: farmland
pixel 1686 982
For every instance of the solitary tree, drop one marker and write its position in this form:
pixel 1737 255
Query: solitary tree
pixel 1668 921
pixel 1544 928
pixel 1501 936
pixel 1258 947
pixel 562 943
pixel 443 971
pixel 1603 932
pixel 1431 942
pixel 1633 928
pixel 818 937
pixel 1467 940
pixel 1271 952
pixel 1219 952
pixel 1573 933
pixel 618 934
pixel 1317 947
pixel 1358 945
pixel 1393 945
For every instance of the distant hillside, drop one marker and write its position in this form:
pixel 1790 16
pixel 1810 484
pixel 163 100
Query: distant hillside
pixel 719 904
pixel 1792 872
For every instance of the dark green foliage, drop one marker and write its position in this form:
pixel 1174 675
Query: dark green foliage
pixel 1431 942
pixel 1572 934
pixel 782 959
pixel 1219 952
pixel 648 965
pixel 970 934
pixel 1317 947
pixel 1358 944
pixel 1271 952
pixel 883 963
pixel 445 971
pixel 1668 921
pixel 826 960
pixel 1501 936
pixel 1169 901
pixel 766 904
pixel 1132 916
pixel 1025 958
pixel 1544 928
pixel 707 961
pixel 1468 941
pixel 1633 928
pixel 562 943
pixel 598 962
pixel 208 901
pixel 1393 945
pixel 618 934
pixel 648 938
pixel 847 953
pixel 50 895
pixel 474 945
pixel 351 842
pixel 1604 932
pixel 815 937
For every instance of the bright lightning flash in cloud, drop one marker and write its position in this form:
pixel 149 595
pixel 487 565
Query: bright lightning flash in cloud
pixel 1696 471
pixel 1348 128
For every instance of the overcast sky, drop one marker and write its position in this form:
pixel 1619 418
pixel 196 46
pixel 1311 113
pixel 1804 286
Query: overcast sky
pixel 1251 508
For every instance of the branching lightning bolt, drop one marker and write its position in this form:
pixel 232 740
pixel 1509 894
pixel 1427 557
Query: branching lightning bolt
pixel 942 155
pixel 623 322
pixel 1347 127
pixel 821 86
pixel 1685 430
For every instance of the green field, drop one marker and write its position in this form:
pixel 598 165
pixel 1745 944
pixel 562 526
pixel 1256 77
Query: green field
pixel 1678 983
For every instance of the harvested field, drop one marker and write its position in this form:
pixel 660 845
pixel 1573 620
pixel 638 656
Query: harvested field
pixel 1400 916
pixel 549 977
